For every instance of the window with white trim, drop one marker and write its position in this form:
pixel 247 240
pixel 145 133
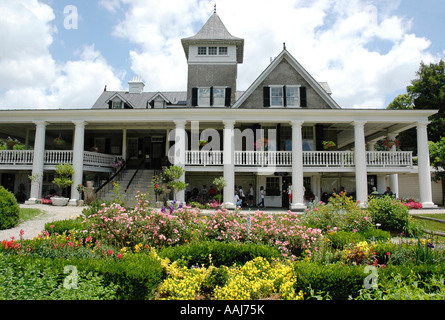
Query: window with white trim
pixel 219 96
pixel 203 97
pixel 276 96
pixel 292 96
pixel 213 51
pixel 223 51
pixel 202 51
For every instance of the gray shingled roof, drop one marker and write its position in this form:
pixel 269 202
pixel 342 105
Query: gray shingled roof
pixel 139 100
pixel 214 31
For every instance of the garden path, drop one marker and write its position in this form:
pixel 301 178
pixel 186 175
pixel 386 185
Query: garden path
pixel 34 226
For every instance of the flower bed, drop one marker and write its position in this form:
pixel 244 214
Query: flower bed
pixel 178 252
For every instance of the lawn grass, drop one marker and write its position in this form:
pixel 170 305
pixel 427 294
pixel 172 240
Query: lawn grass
pixel 28 214
pixel 440 216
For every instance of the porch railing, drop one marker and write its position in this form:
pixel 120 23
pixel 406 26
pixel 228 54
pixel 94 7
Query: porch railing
pixel 53 157
pixel 310 158
pixel 389 159
pixel 328 158
pixel 204 158
pixel 16 157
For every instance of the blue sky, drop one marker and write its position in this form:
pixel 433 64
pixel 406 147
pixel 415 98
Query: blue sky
pixel 367 50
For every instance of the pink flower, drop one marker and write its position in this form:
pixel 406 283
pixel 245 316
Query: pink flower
pixel 110 252
pixel 355 230
pixel 366 218
pixel 119 256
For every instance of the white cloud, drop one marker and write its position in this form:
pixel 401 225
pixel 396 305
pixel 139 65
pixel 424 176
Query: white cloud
pixel 29 76
pixel 361 47
pixel 335 41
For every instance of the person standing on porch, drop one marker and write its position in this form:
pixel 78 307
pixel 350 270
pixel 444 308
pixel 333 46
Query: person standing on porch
pixel 251 195
pixel 262 194
pixel 289 192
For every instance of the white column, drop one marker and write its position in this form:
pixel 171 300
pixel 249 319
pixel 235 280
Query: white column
pixel 361 175
pixel 180 148
pixel 78 153
pixel 424 166
pixel 393 178
pixel 297 166
pixel 229 166
pixel 124 144
pixel 38 161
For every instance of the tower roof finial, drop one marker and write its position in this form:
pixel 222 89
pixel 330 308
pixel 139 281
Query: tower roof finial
pixel 214 8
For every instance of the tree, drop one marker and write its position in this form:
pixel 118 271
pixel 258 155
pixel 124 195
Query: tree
pixel 65 171
pixel 437 156
pixel 427 91
pixel 173 174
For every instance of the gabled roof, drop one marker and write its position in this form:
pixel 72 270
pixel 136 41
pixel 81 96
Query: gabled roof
pixel 116 94
pixel 214 31
pixel 320 88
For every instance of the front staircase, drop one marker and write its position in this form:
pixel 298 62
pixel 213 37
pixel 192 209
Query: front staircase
pixel 141 183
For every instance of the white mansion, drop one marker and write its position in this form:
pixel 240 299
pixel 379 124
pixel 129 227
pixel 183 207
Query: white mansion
pixel 273 134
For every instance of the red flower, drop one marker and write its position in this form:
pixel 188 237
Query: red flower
pixel 119 256
pixel 110 252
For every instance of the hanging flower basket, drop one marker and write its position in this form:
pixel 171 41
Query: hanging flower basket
pixel 11 142
pixel 328 144
pixel 389 143
pixel 59 141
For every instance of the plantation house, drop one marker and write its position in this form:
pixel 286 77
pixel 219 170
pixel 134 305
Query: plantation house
pixel 275 133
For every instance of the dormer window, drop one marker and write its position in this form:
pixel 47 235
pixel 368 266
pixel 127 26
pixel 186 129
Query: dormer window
pixel 117 104
pixel 202 51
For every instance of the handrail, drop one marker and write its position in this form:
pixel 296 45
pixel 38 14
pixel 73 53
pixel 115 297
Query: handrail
pixel 135 173
pixel 114 175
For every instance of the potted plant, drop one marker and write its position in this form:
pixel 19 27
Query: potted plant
pixel 90 180
pixel 64 172
pixel 11 142
pixel 173 174
pixel 328 144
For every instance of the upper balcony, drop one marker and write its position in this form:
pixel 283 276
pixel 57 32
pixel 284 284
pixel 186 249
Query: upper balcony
pixel 312 160
pixel 23 159
pixel 243 160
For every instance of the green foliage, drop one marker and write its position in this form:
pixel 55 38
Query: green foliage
pixel 390 213
pixel 340 212
pixel 437 156
pixel 65 226
pixel 65 171
pixel 9 210
pixel 173 174
pixel 23 278
pixel 337 281
pixel 341 239
pixel 220 183
pixel 218 253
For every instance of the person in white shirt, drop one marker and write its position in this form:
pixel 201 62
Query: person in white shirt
pixel 262 195
pixel 238 201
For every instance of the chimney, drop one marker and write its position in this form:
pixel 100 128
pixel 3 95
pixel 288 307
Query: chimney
pixel 136 85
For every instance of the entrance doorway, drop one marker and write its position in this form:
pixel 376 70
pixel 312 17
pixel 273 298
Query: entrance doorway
pixel 8 181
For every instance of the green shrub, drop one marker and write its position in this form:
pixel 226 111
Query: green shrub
pixel 222 253
pixel 9 210
pixel 336 281
pixel 340 239
pixel 133 277
pixel 376 235
pixel 64 226
pixel 390 213
pixel 23 278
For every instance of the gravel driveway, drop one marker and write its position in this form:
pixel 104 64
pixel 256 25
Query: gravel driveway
pixel 34 226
